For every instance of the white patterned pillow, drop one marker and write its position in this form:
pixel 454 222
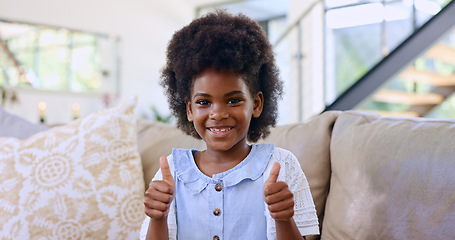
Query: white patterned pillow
pixel 83 180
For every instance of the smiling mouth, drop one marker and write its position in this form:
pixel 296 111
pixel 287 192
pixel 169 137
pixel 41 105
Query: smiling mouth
pixel 220 130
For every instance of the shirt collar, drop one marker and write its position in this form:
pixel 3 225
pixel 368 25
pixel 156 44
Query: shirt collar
pixel 252 167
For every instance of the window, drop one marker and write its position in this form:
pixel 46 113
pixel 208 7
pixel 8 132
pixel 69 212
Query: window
pixel 50 58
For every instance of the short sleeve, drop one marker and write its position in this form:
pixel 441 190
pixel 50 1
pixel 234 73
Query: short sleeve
pixel 305 216
pixel 172 217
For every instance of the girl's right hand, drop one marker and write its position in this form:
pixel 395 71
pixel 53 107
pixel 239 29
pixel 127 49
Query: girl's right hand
pixel 159 195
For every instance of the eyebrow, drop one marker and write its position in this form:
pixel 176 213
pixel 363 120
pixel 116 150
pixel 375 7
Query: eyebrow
pixel 226 95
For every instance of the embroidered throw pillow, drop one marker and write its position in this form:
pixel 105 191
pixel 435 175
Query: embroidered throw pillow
pixel 82 180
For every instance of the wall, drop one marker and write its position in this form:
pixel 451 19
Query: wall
pixel 144 27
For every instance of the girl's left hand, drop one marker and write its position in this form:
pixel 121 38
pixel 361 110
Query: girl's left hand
pixel 278 196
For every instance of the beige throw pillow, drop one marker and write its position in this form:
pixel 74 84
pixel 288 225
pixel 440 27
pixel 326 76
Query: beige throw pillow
pixel 78 181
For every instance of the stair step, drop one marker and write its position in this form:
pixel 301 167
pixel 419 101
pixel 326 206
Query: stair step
pixel 442 52
pixel 393 114
pixel 400 97
pixel 427 77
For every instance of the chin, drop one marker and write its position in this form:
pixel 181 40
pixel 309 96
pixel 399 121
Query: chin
pixel 224 146
pixel 221 147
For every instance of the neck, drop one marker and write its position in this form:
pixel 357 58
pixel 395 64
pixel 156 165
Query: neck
pixel 212 162
pixel 236 153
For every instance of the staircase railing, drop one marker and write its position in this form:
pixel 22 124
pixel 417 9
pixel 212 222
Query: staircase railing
pixel 296 25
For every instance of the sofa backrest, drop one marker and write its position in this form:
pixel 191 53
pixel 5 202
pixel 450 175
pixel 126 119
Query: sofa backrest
pixel 392 178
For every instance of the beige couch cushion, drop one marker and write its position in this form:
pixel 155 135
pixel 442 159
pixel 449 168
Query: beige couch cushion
pixel 391 179
pixel 82 180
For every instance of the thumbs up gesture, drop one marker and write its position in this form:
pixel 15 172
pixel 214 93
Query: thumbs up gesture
pixel 160 193
pixel 278 196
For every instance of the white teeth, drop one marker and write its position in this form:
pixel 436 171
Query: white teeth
pixel 220 129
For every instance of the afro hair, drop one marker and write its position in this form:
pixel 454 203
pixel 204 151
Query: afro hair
pixel 224 42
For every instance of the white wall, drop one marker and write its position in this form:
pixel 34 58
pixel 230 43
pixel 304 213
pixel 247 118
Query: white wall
pixel 144 27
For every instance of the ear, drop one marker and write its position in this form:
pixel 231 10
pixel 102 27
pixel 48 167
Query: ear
pixel 258 104
pixel 189 112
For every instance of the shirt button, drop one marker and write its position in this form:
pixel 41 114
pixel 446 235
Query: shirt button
pixel 218 187
pixel 216 237
pixel 217 212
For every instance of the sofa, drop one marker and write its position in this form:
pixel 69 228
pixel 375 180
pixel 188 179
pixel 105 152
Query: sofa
pixel 371 177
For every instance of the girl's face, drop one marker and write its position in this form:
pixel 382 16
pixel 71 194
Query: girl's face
pixel 221 108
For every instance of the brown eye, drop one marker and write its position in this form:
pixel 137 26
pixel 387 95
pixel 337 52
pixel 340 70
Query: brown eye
pixel 234 100
pixel 203 102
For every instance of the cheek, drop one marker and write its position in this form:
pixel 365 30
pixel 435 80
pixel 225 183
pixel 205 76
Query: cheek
pixel 244 115
pixel 248 111
pixel 199 113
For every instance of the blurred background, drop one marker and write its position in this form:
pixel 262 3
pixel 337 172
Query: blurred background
pixel 61 60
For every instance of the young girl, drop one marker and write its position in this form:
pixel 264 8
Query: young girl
pixel 222 85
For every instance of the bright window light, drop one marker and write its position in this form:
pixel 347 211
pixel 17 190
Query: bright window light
pixel 355 16
pixel 337 3
pixel 394 13
pixel 364 14
pixel 426 6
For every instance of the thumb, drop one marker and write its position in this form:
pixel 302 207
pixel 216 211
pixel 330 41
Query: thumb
pixel 165 171
pixel 274 173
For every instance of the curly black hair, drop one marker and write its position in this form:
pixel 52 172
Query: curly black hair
pixel 224 42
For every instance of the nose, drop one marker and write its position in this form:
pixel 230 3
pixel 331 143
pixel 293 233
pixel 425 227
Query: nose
pixel 218 113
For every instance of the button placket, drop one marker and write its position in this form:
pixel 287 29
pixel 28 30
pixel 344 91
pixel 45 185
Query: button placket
pixel 216 203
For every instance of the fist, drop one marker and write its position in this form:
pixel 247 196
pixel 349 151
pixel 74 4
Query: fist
pixel 279 198
pixel 159 195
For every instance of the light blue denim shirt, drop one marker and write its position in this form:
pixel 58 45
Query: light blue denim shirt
pixel 235 208
pixel 229 205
